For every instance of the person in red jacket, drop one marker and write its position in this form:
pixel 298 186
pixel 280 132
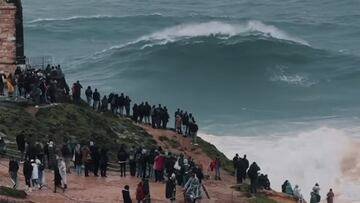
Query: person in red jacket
pixel 159 163
pixel 140 195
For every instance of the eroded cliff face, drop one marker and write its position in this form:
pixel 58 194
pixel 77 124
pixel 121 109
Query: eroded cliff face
pixel 7 36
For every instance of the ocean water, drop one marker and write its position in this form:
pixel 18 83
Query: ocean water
pixel 277 80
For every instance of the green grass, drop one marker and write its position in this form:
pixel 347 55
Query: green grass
pixel 213 152
pixel 5 191
pixel 79 124
pixel 260 198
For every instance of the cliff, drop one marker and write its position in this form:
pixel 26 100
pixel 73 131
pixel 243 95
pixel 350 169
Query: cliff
pixel 81 124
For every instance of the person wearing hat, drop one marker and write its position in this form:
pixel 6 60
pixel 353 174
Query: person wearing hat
pixel 170 188
pixel 315 194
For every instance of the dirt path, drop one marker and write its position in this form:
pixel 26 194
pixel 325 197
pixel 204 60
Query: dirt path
pixel 99 190
pixel 219 191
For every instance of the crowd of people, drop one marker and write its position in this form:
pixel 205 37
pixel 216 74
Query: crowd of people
pixel 41 86
pixel 48 85
pixel 261 181
pixel 156 116
pixel 244 170
pixel 315 196
pixel 147 164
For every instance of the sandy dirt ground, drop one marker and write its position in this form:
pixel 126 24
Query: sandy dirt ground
pixel 99 190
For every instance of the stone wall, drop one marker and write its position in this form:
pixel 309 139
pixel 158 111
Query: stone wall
pixel 7 36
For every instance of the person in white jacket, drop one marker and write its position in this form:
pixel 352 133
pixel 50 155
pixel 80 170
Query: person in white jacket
pixel 297 194
pixel 62 171
pixel 35 173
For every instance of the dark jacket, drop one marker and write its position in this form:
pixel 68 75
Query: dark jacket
pixel 126 196
pixel 122 155
pixel 170 189
pixel 13 166
pixel 20 141
pixel 27 169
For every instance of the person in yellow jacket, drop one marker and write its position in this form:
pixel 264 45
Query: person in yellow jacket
pixel 10 86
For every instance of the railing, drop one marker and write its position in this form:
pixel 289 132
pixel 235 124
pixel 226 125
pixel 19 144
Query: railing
pixel 39 62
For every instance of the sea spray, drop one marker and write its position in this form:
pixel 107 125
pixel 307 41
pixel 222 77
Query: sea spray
pixel 303 158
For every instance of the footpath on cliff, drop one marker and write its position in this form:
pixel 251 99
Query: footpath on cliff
pixel 96 189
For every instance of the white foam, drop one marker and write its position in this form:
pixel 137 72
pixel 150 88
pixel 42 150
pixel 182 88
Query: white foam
pixel 86 17
pixel 69 18
pixel 303 159
pixel 212 28
pixel 221 28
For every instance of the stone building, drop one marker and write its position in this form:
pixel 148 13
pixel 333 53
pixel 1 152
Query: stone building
pixel 11 35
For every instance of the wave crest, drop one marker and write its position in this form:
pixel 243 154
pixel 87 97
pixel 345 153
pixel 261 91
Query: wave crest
pixel 89 17
pixel 218 29
pixel 252 27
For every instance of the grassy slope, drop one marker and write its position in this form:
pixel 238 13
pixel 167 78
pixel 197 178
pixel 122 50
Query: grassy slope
pixel 213 152
pixel 77 123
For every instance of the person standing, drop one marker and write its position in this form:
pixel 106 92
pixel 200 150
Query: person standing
pixel 193 129
pixel 35 174
pixel 77 93
pixel 315 194
pixel 330 196
pixel 170 188
pixel 41 168
pixel 50 151
pixel 159 163
pixel 235 162
pixel 89 95
pixel 122 157
pixel 126 194
pixel 253 175
pixel 132 161
pixel 67 155
pixel 13 170
pixel 27 171
pixel 217 168
pixel 86 159
pixel 140 192
pixel 2 82
pixel 96 98
pixel 57 178
pixel 104 159
pixel 193 188
pixel 77 159
pixel 95 157
pixel 20 141
pixel 62 171
pixel 127 106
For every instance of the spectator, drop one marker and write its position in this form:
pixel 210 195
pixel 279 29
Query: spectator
pixel 89 95
pixel 126 194
pixel 13 170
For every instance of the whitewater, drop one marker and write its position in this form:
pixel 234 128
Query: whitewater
pixel 277 81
